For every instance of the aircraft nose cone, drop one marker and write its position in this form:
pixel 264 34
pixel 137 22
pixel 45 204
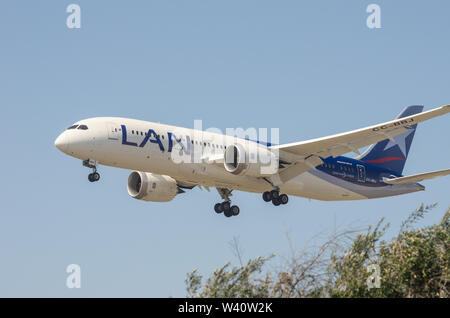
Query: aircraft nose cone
pixel 62 142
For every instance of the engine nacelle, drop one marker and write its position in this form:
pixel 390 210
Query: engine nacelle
pixel 152 187
pixel 254 160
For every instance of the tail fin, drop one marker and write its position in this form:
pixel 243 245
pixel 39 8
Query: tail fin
pixel 392 155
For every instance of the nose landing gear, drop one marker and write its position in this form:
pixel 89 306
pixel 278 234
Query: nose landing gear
pixel 92 164
pixel 93 177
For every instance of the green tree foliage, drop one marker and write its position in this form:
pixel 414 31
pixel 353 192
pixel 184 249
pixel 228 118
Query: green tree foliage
pixel 415 263
pixel 232 282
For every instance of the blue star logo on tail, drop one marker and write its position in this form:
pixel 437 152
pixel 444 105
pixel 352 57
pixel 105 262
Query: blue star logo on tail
pixel 400 141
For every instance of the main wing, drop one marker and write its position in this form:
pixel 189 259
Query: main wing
pixel 305 154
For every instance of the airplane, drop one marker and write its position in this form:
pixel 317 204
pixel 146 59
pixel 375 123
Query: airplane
pixel 167 160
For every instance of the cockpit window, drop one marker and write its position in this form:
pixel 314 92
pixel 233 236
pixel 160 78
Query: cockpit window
pixel 73 127
pixel 83 127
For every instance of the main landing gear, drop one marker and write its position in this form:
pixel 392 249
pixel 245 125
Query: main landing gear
pixel 225 206
pixel 275 197
pixel 94 176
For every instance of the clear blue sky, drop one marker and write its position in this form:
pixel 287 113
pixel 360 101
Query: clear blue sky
pixel 311 68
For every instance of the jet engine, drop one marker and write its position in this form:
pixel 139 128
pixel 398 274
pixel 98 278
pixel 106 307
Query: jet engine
pixel 152 187
pixel 253 160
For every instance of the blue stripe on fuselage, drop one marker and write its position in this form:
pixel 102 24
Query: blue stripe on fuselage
pixel 355 171
pixel 350 179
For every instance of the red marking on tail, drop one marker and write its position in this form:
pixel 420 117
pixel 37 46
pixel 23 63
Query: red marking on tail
pixel 384 159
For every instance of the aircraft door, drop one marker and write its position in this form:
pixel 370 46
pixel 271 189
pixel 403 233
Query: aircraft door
pixel 361 173
pixel 113 131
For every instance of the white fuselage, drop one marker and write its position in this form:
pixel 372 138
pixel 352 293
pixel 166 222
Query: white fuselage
pixel 105 142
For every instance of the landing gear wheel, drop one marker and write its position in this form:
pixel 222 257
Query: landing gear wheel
pixel 276 201
pixel 96 176
pixel 275 194
pixel 267 196
pixel 218 208
pixel 235 210
pixel 284 199
pixel 93 177
pixel 226 206
pixel 228 213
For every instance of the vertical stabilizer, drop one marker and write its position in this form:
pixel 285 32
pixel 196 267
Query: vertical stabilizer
pixel 392 155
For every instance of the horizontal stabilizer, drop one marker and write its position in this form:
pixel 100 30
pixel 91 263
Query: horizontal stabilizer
pixel 417 177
